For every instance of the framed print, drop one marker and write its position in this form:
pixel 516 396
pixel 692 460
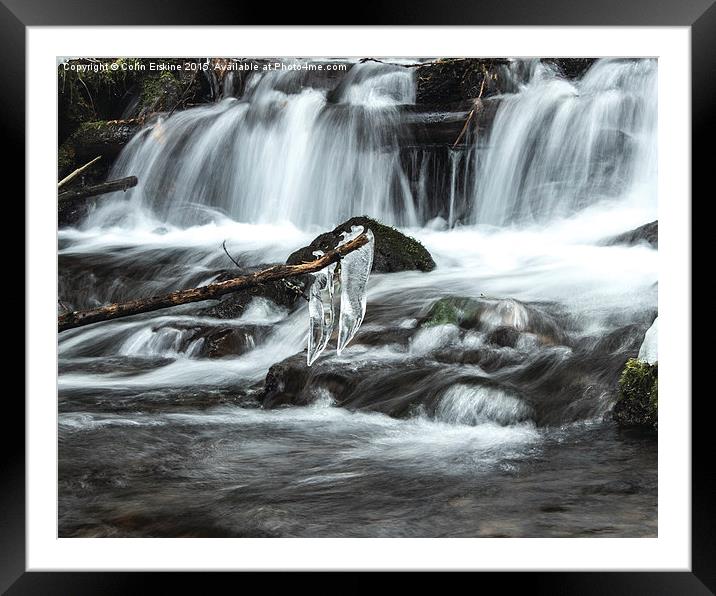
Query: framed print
pixel 393 296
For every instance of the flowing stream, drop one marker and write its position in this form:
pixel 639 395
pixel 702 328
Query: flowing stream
pixel 412 430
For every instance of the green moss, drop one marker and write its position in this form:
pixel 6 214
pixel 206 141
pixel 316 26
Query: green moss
pixel 455 310
pixel 160 93
pixel 394 251
pixel 396 244
pixel 65 159
pixel 638 401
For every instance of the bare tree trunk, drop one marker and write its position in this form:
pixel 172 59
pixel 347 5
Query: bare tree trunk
pixel 134 307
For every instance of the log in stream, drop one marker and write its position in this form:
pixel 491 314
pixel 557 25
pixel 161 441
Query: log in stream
pixel 74 319
pixel 98 189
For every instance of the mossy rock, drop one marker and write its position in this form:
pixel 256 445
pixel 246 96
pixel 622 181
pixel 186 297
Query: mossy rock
pixel 103 138
pixel 124 88
pixel 394 251
pixel 161 93
pixel 453 310
pixel 638 401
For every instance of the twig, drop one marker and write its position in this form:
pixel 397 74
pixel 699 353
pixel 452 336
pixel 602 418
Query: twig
pixel 181 97
pixel 71 176
pixel 478 104
pixel 223 245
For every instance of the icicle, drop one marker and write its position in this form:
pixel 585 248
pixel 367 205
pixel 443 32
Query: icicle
pixel 355 269
pixel 320 311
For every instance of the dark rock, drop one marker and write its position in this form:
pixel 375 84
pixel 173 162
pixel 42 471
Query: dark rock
pixel 488 314
pixel 285 382
pixel 451 80
pixel 228 341
pixel 489 359
pixel 422 127
pixel 283 294
pixel 383 337
pixel 90 139
pixel 648 233
pixel 638 401
pixel 504 336
pixel 454 310
pixel 626 339
pixel 124 88
pixel 394 251
pixel 571 68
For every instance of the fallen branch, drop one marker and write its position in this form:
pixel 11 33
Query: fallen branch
pixel 78 171
pixel 97 189
pixel 278 272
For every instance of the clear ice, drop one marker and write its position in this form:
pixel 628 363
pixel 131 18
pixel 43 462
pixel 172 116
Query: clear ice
pixel 355 269
pixel 320 312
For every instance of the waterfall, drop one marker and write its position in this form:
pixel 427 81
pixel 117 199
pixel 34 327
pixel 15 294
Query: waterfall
pixel 284 152
pixel 558 146
pixel 317 154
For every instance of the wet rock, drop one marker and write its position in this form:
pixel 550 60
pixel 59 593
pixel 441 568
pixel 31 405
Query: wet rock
pixel 626 339
pixel 286 294
pixel 488 314
pixel 423 127
pixel 383 337
pixel 571 68
pixel 504 336
pixel 394 251
pixel 648 233
pixel 452 80
pixel 488 359
pixel 637 404
pixel 104 138
pixel 229 341
pixel 453 310
pixel 396 389
pixel 285 382
pixel 124 88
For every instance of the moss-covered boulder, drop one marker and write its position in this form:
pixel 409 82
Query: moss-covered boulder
pixel 504 320
pixel 394 251
pixel 453 310
pixel 92 139
pixel 638 401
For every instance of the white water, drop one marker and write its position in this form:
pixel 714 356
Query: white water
pixel 266 172
pixel 565 166
pixel 579 156
pixel 276 156
pixel 558 146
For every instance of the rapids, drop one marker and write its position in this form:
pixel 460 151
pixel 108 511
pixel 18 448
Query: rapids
pixel 412 430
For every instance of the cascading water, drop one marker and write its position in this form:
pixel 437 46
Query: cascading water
pixel 480 417
pixel 280 155
pixel 559 146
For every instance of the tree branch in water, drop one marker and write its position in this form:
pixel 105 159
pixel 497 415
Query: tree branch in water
pixel 277 272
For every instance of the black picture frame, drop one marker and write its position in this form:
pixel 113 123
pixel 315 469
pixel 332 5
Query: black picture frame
pixel 699 15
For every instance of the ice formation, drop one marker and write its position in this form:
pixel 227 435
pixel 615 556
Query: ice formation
pixel 320 312
pixel 355 270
